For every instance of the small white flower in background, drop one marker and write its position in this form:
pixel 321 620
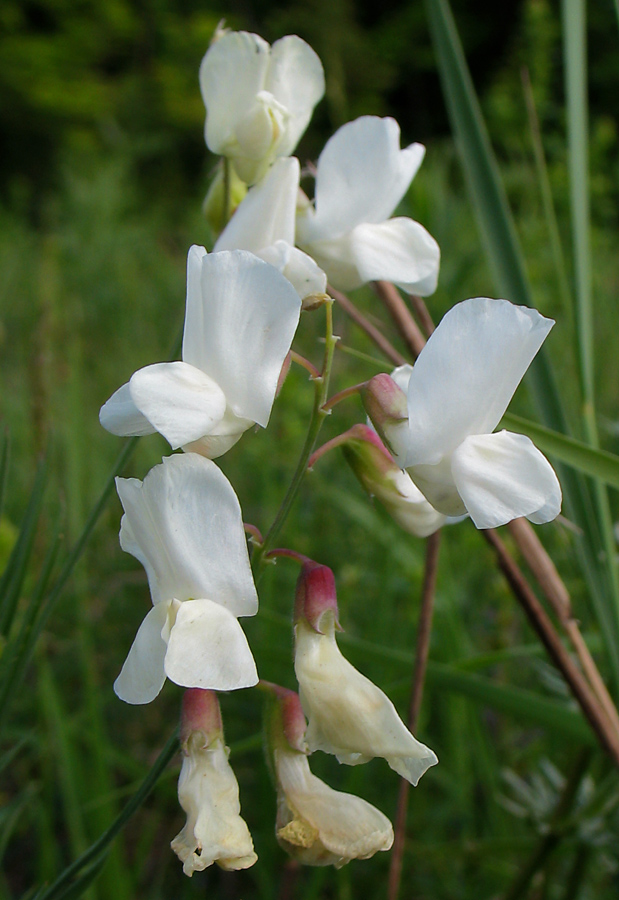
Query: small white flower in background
pixel 264 224
pixel 348 715
pixel 184 524
pixel 315 824
pixel 259 99
pixel 458 390
pixel 209 793
pixel 240 320
pixel 361 177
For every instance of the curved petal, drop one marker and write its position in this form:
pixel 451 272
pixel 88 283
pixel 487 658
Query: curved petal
pixel 121 416
pixel 241 331
pixel 231 74
pixel 468 372
pixel 361 176
pixel 437 485
pixel 208 649
pixel 502 476
pixel 142 675
pixel 299 268
pixel 398 250
pixel 180 401
pixel 184 524
pixel 267 213
pixel 296 79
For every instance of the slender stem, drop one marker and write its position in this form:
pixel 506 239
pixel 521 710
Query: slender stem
pixel 305 363
pixel 372 331
pixel 424 630
pixel 342 395
pixel 397 308
pixel 227 204
pixel 540 621
pixel 101 846
pixel 321 388
pixel 422 313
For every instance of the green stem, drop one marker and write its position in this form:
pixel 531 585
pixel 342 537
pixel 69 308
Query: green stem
pixel 95 853
pixel 227 204
pixel 321 389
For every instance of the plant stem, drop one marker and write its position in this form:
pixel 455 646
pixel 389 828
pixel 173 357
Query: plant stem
pixel 321 388
pixel 424 629
pixel 372 331
pixel 400 314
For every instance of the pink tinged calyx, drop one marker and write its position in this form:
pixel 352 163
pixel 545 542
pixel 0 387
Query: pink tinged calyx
pixel 316 598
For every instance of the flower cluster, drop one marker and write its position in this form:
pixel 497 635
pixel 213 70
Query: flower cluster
pixel 430 457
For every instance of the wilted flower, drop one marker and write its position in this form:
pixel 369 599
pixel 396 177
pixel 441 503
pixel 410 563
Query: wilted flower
pixel 458 390
pixel 183 523
pixel 259 99
pixel 209 793
pixel 361 177
pixel 316 824
pixel 240 320
pixel 348 715
pixel 264 223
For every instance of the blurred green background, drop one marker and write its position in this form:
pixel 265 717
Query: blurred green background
pixel 104 169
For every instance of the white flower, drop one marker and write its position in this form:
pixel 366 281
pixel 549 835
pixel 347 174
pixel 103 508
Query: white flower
pixel 264 223
pixel 348 715
pixel 209 793
pixel 316 824
pixel 259 99
pixel 458 390
pixel 240 320
pixel 361 177
pixel 184 524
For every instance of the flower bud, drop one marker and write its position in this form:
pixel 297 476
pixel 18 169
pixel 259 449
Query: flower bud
pixel 315 597
pixel 208 792
pixel 387 406
pixel 315 824
pixel 384 479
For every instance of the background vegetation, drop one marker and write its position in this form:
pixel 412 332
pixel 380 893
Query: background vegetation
pixel 103 174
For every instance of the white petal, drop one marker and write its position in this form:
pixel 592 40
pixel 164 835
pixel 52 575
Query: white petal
pixel 186 527
pixel 231 74
pixel 142 675
pixel 467 373
pixel 179 400
pixel 398 250
pixel 267 214
pixel 241 331
pixel 208 649
pixel 296 79
pixel 409 508
pixel 502 476
pixel 437 485
pixel 361 176
pixel 121 416
pixel 348 715
pixel 299 268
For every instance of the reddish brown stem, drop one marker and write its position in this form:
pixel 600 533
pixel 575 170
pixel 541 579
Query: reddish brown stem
pixel 424 630
pixel 372 331
pixel 401 315
pixel 423 316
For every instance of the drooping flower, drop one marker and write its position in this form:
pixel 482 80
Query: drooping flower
pixel 240 320
pixel 458 390
pixel 361 177
pixel 209 793
pixel 264 224
pixel 184 524
pixel 259 99
pixel 348 715
pixel 315 824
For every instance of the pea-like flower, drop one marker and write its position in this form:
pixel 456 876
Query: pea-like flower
pixel 458 390
pixel 264 223
pixel 184 524
pixel 348 715
pixel 209 793
pixel 316 824
pixel 361 176
pixel 259 99
pixel 240 320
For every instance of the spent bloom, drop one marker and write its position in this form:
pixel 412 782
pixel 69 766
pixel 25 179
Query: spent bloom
pixel 259 99
pixel 361 176
pixel 184 524
pixel 458 390
pixel 240 320
pixel 209 793
pixel 348 715
pixel 315 824
pixel 264 224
